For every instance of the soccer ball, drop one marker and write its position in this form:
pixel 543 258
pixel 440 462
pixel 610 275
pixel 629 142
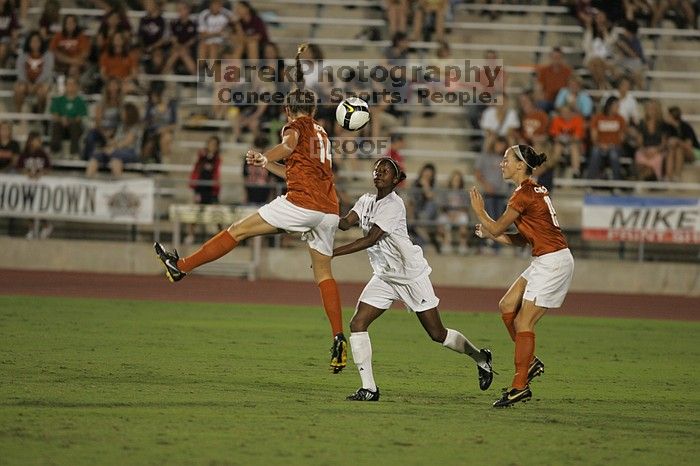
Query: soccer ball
pixel 352 113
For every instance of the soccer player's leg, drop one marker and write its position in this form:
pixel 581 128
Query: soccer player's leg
pixel 362 349
pixel 456 341
pixel 525 322
pixel 510 304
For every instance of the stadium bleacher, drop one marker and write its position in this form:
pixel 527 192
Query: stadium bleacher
pixel 522 35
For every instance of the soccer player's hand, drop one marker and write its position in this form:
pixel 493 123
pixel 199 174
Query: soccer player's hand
pixel 477 199
pixel 255 158
pixel 482 233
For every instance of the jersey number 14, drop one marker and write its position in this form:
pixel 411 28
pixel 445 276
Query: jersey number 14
pixel 552 212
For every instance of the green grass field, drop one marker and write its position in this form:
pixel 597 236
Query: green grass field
pixel 124 382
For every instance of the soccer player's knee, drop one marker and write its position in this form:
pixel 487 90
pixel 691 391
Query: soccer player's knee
pixel 358 324
pixel 438 336
pixel 506 306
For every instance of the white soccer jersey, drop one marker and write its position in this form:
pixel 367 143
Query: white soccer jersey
pixel 394 258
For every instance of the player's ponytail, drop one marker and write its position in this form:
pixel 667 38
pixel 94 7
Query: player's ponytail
pixel 300 100
pixel 528 155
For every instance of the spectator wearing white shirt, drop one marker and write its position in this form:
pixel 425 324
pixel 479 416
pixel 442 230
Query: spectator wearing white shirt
pixel 500 120
pixel 213 27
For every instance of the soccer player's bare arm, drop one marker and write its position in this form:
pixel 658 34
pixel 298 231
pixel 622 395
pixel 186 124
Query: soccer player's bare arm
pixel 350 220
pixel 374 235
pixel 281 151
pixel 277 169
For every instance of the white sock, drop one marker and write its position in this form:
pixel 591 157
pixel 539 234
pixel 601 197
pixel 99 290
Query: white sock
pixel 362 355
pixel 459 343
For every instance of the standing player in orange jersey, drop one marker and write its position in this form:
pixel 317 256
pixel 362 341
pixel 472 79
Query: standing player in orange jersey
pixel 544 284
pixel 310 207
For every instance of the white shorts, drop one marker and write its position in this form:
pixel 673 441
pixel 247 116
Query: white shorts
pixel 418 296
pixel 549 278
pixel 317 228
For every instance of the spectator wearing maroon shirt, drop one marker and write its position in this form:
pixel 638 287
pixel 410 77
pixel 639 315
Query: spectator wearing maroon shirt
pixel 607 133
pixel 551 78
pixel 9 28
pixel 251 32
pixel 35 162
pixel 34 73
pixel 183 33
pixel 205 179
pixel 71 47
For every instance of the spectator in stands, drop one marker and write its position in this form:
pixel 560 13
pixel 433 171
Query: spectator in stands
pixel 71 47
pixel 534 124
pixel 113 22
pixel 251 32
pixel 321 85
pixel 9 148
pixel 608 130
pixel 119 62
pixel 183 33
pixel 50 20
pixel 9 30
pixel 573 94
pixel 123 148
pixel 398 143
pixel 68 111
pixel 152 34
pixel 454 214
pixel 251 116
pixel 500 120
pixel 424 8
pixel 598 43
pixel 205 179
pixel 34 73
pixel 629 108
pixel 684 13
pixel 567 131
pixel 629 57
pixel 35 162
pixel 396 15
pixel 551 78
pixel 398 50
pixel 161 120
pixel 424 206
pixel 487 171
pixel 213 28
pixel 258 181
pixel 651 137
pixel 107 118
pixel 683 144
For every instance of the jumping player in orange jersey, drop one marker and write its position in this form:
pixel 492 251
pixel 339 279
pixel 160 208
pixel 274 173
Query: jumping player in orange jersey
pixel 310 207
pixel 544 284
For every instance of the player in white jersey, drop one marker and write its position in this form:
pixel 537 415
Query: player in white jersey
pixel 400 273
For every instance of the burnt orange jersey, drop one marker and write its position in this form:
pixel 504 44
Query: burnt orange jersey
pixel 537 222
pixel 309 174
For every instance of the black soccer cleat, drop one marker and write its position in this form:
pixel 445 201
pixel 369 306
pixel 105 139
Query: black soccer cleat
pixel 536 369
pixel 169 260
pixel 339 353
pixel 485 375
pixel 364 394
pixel 512 396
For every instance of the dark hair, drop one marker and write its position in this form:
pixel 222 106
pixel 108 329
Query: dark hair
pixel 609 103
pixel 260 141
pixel 396 137
pixel 675 112
pixel 125 45
pixel 427 166
pixel 77 31
pixel 398 37
pixel 253 11
pixel 28 41
pixel 301 100
pixel 215 138
pixel 630 26
pixel 30 137
pixel 398 173
pixel 532 158
pixel 132 115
